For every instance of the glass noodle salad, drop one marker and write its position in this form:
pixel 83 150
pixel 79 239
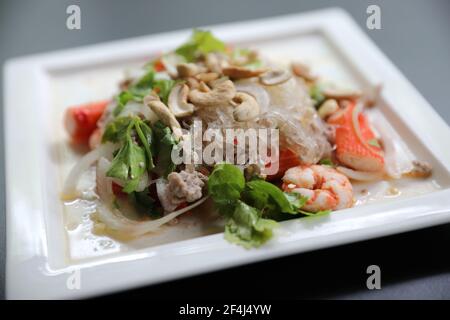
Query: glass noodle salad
pixel 325 143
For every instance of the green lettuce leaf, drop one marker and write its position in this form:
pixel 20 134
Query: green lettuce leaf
pixel 267 197
pixel 315 214
pixel 225 184
pixel 246 227
pixel 296 200
pixel 200 42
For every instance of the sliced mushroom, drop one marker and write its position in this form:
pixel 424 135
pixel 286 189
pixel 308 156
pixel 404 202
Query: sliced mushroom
pixel 247 107
pixel 327 108
pixel 222 92
pixel 275 77
pixel 164 114
pixel 241 72
pixel 335 93
pixel 188 69
pixel 303 71
pixel 178 101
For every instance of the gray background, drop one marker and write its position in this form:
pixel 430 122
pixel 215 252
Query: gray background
pixel 414 35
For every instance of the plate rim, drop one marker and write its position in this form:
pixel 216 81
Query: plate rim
pixel 26 257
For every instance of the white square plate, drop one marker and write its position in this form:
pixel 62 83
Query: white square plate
pixel 44 251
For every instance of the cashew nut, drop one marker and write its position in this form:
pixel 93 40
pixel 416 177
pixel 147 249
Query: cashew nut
pixel 247 108
pixel 207 76
pixel 222 92
pixel 192 83
pixel 164 114
pixel 274 77
pixel 303 71
pixel 178 101
pixel 335 93
pixel 188 69
pixel 215 62
pixel 327 108
pixel 203 87
pixel 241 72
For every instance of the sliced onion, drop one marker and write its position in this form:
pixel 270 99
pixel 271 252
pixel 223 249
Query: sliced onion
pixel 70 187
pixel 397 156
pixel 115 220
pixel 360 175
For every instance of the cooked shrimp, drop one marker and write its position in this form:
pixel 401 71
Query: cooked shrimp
pixel 325 188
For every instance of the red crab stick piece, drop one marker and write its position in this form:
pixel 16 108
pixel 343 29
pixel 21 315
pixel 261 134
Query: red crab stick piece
pixel 287 159
pixel 81 121
pixel 360 152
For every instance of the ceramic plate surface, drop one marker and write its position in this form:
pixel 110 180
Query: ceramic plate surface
pixel 50 248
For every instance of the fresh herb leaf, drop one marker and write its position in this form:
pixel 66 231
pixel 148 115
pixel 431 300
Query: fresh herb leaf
pixel 267 197
pixel 144 203
pixel 131 160
pixel 128 165
pixel 200 42
pixel 316 94
pixel 246 227
pixel 164 143
pixel 327 162
pixel 225 185
pixel 122 100
pixel 315 214
pixel 116 130
pixel 141 88
pixel 163 88
pixel 296 200
pixel 144 85
pixel 144 133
